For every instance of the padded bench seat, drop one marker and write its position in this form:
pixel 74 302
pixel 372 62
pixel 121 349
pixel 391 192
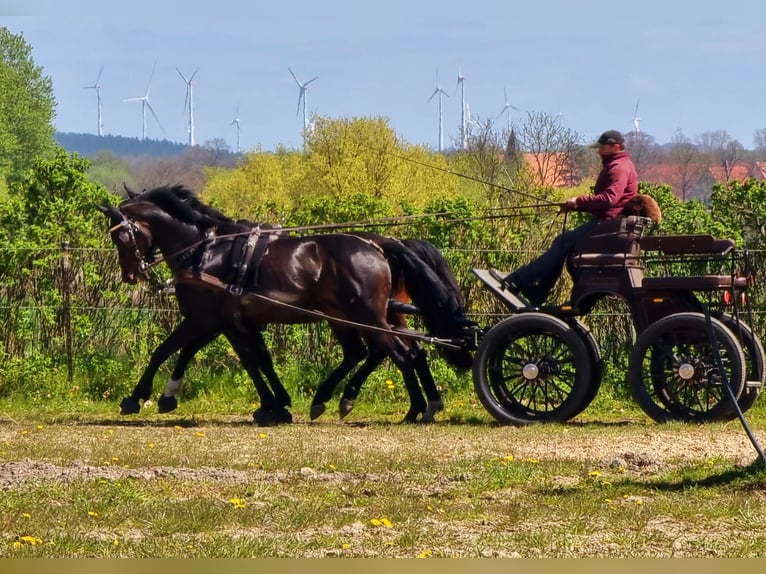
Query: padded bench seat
pixel 695 282
pixel 687 244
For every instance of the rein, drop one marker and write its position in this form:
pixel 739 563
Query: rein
pixel 208 280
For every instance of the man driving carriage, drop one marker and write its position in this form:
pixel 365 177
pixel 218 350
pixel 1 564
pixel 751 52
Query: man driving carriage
pixel 616 185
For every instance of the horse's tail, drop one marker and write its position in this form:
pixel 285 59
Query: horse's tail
pixel 430 284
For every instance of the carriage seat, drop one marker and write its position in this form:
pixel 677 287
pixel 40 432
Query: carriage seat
pixel 613 243
pixel 699 246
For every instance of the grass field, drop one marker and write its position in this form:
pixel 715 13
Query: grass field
pixel 78 480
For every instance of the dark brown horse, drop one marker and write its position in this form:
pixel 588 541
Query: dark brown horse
pixel 340 276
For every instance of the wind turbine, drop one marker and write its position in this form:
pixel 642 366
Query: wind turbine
pixel 145 103
pixel 463 110
pixel 235 122
pixel 97 87
pixel 507 108
pixel 302 99
pixel 189 101
pixel 636 119
pixel 439 92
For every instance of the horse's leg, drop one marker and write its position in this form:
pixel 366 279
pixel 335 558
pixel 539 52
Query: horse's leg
pixel 354 351
pixel 249 353
pixel 281 396
pixel 400 354
pixel 351 391
pixel 186 332
pixel 420 363
pixel 168 401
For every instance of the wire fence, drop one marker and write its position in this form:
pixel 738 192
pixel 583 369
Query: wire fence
pixel 69 306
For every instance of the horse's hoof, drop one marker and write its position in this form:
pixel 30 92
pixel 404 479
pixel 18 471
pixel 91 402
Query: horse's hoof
pixel 345 407
pixel 282 416
pixel 167 404
pixel 317 411
pixel 263 418
pixel 130 406
pixel 431 410
pixel 410 418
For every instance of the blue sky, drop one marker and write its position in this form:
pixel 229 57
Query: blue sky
pixel 697 66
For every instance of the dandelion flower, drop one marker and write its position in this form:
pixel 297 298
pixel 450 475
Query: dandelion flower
pixel 237 503
pixel 92 513
pixel 26 515
pixel 31 540
pixel 594 473
pixel 263 435
pixel 425 554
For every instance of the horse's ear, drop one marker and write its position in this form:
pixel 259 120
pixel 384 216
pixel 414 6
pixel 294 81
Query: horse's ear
pixel 102 209
pixel 130 193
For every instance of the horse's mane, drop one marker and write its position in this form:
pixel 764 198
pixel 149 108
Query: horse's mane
pixel 181 203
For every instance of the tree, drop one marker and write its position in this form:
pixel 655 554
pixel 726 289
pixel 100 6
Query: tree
pixel 26 106
pixel 689 162
pixel 551 147
pixel 642 148
pixel 759 143
pixel 722 149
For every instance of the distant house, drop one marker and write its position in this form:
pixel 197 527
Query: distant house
pixel 690 180
pixel 556 169
pixel 738 171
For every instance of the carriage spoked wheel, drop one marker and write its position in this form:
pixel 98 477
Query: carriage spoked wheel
pixel 673 372
pixel 532 368
pixel 754 360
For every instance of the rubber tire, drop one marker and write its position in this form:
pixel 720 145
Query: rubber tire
pixel 754 358
pixel 655 393
pixel 597 363
pixel 530 331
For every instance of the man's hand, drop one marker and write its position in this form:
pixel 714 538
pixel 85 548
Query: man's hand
pixel 570 205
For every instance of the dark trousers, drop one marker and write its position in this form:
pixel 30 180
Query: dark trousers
pixel 538 277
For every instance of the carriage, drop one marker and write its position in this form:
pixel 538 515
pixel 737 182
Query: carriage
pixel 692 333
pixel 695 357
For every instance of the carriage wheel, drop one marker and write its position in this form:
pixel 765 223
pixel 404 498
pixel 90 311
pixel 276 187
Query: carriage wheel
pixel 754 360
pixel 597 364
pixel 531 368
pixel 673 373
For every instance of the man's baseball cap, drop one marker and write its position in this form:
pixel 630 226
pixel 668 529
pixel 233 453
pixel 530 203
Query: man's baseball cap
pixel 609 137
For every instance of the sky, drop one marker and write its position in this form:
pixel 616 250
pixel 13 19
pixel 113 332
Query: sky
pixel 694 65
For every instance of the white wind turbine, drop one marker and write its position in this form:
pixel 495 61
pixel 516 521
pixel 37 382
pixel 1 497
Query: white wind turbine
pixel 189 101
pixel 302 99
pixel 145 103
pixel 463 110
pixel 439 92
pixel 97 87
pixel 235 122
pixel 636 119
pixel 507 109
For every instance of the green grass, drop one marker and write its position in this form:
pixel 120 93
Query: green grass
pixel 78 480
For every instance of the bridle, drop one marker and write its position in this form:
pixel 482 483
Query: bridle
pixel 144 265
pixel 132 228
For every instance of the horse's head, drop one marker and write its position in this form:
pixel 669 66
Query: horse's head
pixel 135 247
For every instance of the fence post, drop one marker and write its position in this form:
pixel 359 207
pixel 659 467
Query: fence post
pixel 66 312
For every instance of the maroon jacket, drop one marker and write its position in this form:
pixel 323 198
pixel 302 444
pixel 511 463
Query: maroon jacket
pixel 616 184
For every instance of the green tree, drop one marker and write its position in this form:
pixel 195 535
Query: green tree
pixel 26 106
pixel 54 202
